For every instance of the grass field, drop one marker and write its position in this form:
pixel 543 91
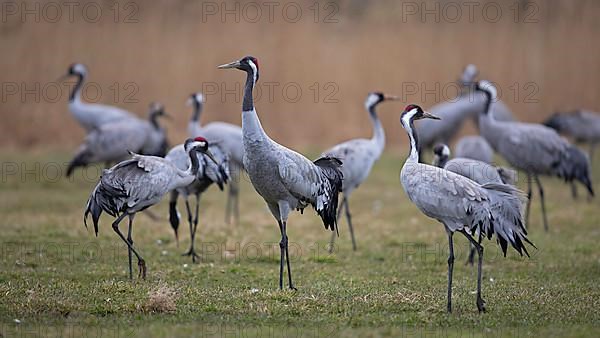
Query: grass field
pixel 56 278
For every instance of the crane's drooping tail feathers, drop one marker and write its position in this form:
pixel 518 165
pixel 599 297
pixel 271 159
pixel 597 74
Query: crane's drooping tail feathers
pixel 575 167
pixel 104 197
pixel 327 204
pixel 506 217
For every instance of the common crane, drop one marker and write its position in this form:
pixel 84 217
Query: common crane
pixel 461 204
pixel 229 137
pixel 90 115
pixel 285 179
pixel 112 141
pixel 136 184
pixel 358 156
pixel 534 149
pixel 209 172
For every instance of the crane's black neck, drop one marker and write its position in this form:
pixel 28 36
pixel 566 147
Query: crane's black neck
pixel 372 111
pixel 408 124
pixel 248 104
pixel 197 110
pixel 77 87
pixel 440 161
pixel 193 153
pixel 488 102
pixel 154 119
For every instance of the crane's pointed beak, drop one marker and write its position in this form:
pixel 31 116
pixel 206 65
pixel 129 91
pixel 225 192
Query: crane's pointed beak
pixel 210 155
pixel 428 115
pixel 234 64
pixel 391 98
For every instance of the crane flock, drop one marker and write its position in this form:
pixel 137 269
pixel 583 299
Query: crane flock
pixel 467 194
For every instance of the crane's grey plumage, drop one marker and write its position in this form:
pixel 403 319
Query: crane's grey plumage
pixel 581 125
pixel 285 179
pixel 534 149
pixel 462 204
pixel 208 173
pixel 91 116
pixel 229 137
pixel 136 184
pixel 475 170
pixel 474 147
pixel 358 156
pixel 111 142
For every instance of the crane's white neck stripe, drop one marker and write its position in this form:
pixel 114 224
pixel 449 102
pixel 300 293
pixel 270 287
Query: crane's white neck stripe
pixel 372 100
pixel 254 70
pixel 414 153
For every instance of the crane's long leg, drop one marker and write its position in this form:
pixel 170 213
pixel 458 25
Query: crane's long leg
pixel 349 219
pixel 333 233
pixel 130 240
pixel 450 267
pixel 141 262
pixel 191 251
pixel 233 201
pixel 539 184
pixel 528 200
pixel 281 256
pixel 287 257
pixel 480 301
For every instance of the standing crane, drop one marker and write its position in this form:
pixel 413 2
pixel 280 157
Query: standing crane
pixel 358 156
pixel 285 179
pixel 534 149
pixel 91 116
pixel 112 141
pixel 209 172
pixel 136 184
pixel 229 137
pixel 461 204
pixel 474 147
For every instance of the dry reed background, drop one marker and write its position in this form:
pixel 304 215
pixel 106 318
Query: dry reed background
pixel 171 51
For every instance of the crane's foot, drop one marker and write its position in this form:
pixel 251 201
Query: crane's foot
pixel 142 269
pixel 480 305
pixel 192 252
pixel 293 288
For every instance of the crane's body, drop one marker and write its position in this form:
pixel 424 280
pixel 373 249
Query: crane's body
pixel 581 125
pixel 229 136
pixel 285 179
pixel 113 141
pixel 461 204
pixel 474 147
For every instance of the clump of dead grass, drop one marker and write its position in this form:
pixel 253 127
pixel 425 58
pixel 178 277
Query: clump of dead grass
pixel 161 300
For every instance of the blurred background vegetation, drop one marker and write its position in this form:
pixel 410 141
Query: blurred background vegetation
pixel 543 55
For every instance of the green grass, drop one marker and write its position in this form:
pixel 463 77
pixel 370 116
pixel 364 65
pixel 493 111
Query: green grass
pixel 57 278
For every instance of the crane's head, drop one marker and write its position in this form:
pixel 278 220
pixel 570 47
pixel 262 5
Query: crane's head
pixel 441 153
pixel 196 99
pixel 156 109
pixel 413 112
pixel 76 69
pixel 249 64
pixel 199 144
pixel 469 75
pixel 376 98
